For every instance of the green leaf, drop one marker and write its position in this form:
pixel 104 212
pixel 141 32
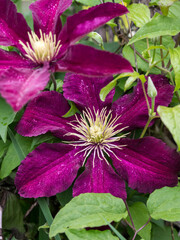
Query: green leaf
pixel 71 111
pixel 74 234
pixel 139 14
pixel 12 214
pixel 140 216
pixel 141 46
pixel 7 116
pixel 3 147
pixel 170 117
pixel 158 26
pixel 163 234
pixel 93 2
pixel 106 90
pixel 88 210
pixel 11 160
pixel 175 61
pixel 164 204
pixel 174 10
pixel 131 80
pixel 97 37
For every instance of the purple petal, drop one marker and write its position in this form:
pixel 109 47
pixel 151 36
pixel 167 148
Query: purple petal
pixel 12 59
pixel 18 86
pixel 44 113
pixel 46 15
pixel 84 91
pixel 89 61
pixel 13 26
pixel 86 21
pixel 147 164
pixel 49 169
pixel 133 108
pixel 99 179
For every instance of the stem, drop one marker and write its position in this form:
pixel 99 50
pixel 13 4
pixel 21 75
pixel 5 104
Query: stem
pixel 172 232
pixel 161 51
pixel 54 81
pixel 1 223
pixel 149 52
pixel 141 228
pixel 145 95
pixel 133 226
pixel 146 127
pixel 160 68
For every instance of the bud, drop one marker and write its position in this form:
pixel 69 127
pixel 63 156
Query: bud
pixel 151 89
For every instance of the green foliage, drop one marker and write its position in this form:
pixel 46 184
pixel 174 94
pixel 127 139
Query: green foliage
pixel 141 46
pixel 140 216
pixel 7 116
pixel 11 160
pixel 88 210
pixel 158 26
pixel 170 117
pixel 12 214
pixel 92 3
pixel 74 234
pixel 139 14
pixel 175 61
pixel 159 233
pixel 164 204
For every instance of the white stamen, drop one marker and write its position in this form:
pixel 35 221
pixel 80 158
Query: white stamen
pixel 41 49
pixel 96 132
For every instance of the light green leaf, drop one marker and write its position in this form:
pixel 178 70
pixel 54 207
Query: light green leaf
pixel 170 117
pixel 11 160
pixel 93 2
pixel 174 10
pixel 97 37
pixel 106 90
pixel 7 116
pixel 139 14
pixel 175 61
pixel 141 46
pixel 88 210
pixel 74 234
pixel 164 204
pixel 131 80
pixel 71 111
pixel 140 216
pixel 158 26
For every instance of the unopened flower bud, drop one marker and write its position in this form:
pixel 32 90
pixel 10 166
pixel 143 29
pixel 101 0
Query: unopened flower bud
pixel 151 89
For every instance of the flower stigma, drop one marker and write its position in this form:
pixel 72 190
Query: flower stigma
pixel 41 49
pixel 97 131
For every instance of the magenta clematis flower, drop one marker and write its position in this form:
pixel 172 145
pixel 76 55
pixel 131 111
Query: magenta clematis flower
pixel 91 139
pixel 50 47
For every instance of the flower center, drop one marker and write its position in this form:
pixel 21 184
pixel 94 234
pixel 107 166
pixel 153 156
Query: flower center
pixel 41 49
pixel 97 131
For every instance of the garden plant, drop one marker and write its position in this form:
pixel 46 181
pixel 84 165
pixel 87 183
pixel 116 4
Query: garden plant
pixel 89 119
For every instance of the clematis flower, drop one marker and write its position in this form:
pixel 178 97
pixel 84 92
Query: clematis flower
pixel 91 139
pixel 51 47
